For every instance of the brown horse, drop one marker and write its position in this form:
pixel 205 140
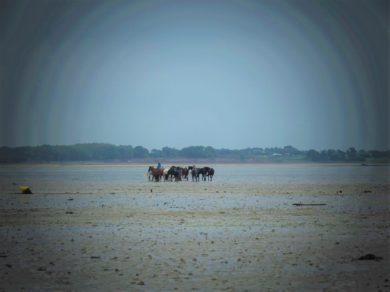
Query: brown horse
pixel 156 173
pixel 185 173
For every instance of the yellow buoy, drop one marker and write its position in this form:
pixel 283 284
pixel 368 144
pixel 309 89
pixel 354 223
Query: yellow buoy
pixel 25 189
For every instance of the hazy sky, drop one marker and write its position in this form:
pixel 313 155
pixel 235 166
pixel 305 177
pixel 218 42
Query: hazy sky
pixel 232 74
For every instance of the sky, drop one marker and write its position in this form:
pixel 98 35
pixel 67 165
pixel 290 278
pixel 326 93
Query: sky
pixel 226 74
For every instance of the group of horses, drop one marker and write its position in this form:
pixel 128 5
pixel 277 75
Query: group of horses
pixel 178 173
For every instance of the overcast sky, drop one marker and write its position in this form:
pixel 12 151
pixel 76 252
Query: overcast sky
pixel 232 74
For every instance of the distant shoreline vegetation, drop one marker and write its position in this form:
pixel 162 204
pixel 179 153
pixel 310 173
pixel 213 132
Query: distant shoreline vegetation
pixel 110 152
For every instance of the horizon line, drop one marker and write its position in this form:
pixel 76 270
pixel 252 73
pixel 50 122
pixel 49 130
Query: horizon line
pixel 205 146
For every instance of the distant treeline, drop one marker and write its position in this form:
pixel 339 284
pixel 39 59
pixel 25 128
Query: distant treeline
pixel 109 152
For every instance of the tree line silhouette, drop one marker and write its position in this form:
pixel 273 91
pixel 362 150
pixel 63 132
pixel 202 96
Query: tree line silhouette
pixel 110 152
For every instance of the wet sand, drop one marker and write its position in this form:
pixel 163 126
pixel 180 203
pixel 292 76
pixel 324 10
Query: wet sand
pixel 185 236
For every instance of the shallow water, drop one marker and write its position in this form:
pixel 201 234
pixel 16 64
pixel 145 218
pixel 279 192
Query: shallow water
pixel 240 173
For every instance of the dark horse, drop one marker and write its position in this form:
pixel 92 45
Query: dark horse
pixel 203 172
pixel 175 172
pixel 210 174
pixel 156 173
pixel 207 172
pixel 194 173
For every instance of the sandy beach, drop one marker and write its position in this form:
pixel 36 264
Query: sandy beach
pixel 185 236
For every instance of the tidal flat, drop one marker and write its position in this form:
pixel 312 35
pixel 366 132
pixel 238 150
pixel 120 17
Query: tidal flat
pixel 253 228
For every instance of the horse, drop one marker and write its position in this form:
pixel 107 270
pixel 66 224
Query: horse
pixel 210 174
pixel 155 173
pixel 185 173
pixel 150 176
pixel 176 172
pixel 202 171
pixel 165 173
pixel 195 174
pixel 207 172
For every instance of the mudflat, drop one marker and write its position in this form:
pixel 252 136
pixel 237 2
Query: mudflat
pixel 236 235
